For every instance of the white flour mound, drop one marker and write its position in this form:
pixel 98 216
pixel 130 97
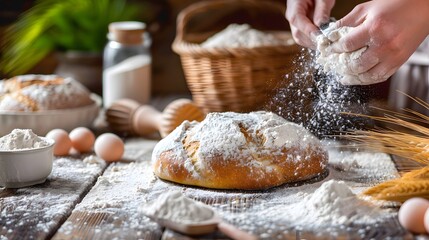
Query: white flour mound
pixel 176 207
pixel 20 139
pixel 236 35
pixel 338 62
pixel 333 204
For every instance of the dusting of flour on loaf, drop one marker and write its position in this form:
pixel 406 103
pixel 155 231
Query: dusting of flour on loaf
pixel 56 95
pixel 242 35
pixel 42 92
pixel 237 136
pixel 20 139
pixel 176 207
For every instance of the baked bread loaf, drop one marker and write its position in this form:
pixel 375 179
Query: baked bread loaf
pixel 257 150
pixel 42 92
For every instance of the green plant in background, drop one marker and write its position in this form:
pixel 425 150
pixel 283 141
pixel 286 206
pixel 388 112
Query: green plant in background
pixel 60 25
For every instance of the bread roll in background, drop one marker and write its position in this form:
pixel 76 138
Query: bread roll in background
pixel 257 150
pixel 42 92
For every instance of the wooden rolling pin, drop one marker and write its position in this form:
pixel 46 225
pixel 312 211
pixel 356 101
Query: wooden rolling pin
pixel 128 116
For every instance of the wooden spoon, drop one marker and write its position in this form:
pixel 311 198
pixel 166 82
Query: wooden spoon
pixel 204 227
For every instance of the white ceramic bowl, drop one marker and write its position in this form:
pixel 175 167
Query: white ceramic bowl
pixel 26 167
pixel 44 121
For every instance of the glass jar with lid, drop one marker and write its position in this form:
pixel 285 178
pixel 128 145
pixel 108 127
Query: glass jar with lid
pixel 127 63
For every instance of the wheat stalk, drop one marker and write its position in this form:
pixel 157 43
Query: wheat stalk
pixel 414 145
pixel 406 139
pixel 412 184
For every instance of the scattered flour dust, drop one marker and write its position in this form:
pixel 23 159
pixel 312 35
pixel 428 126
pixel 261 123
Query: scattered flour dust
pixel 236 35
pixel 176 207
pixel 20 139
pixel 41 207
pixel 329 206
pixel 117 196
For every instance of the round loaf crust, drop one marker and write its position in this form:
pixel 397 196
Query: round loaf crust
pixel 42 92
pixel 177 157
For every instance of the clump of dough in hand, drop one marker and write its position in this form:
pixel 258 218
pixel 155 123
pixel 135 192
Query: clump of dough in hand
pixel 338 63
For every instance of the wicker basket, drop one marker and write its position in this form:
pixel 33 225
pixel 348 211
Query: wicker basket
pixel 231 79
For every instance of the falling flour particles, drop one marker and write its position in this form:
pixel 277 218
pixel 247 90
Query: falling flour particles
pixel 20 139
pixel 317 92
pixel 317 100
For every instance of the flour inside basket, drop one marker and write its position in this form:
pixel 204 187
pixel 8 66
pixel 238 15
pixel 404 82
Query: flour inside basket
pixel 236 35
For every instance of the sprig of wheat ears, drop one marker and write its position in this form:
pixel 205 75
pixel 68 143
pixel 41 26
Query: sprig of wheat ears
pixel 414 146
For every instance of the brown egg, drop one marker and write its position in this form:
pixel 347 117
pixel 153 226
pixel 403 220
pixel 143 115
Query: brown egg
pixel 426 220
pixel 82 139
pixel 412 213
pixel 62 140
pixel 109 147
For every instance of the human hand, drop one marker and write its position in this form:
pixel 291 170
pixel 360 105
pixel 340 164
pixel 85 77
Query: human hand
pixel 304 16
pixel 391 30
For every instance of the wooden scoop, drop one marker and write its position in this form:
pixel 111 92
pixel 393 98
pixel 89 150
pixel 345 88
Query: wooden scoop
pixel 126 115
pixel 200 228
pixel 205 227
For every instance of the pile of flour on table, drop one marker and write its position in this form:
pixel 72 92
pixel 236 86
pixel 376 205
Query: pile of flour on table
pixel 176 207
pixel 333 203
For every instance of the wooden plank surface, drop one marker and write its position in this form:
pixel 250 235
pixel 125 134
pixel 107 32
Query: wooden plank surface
pixel 36 212
pixel 103 213
pixel 110 209
pixel 245 210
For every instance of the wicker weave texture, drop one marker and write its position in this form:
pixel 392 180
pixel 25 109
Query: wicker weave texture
pixel 232 79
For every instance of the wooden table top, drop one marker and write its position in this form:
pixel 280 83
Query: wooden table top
pixel 84 199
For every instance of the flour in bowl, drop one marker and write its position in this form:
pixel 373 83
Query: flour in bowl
pixel 176 207
pixel 20 139
pixel 243 35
